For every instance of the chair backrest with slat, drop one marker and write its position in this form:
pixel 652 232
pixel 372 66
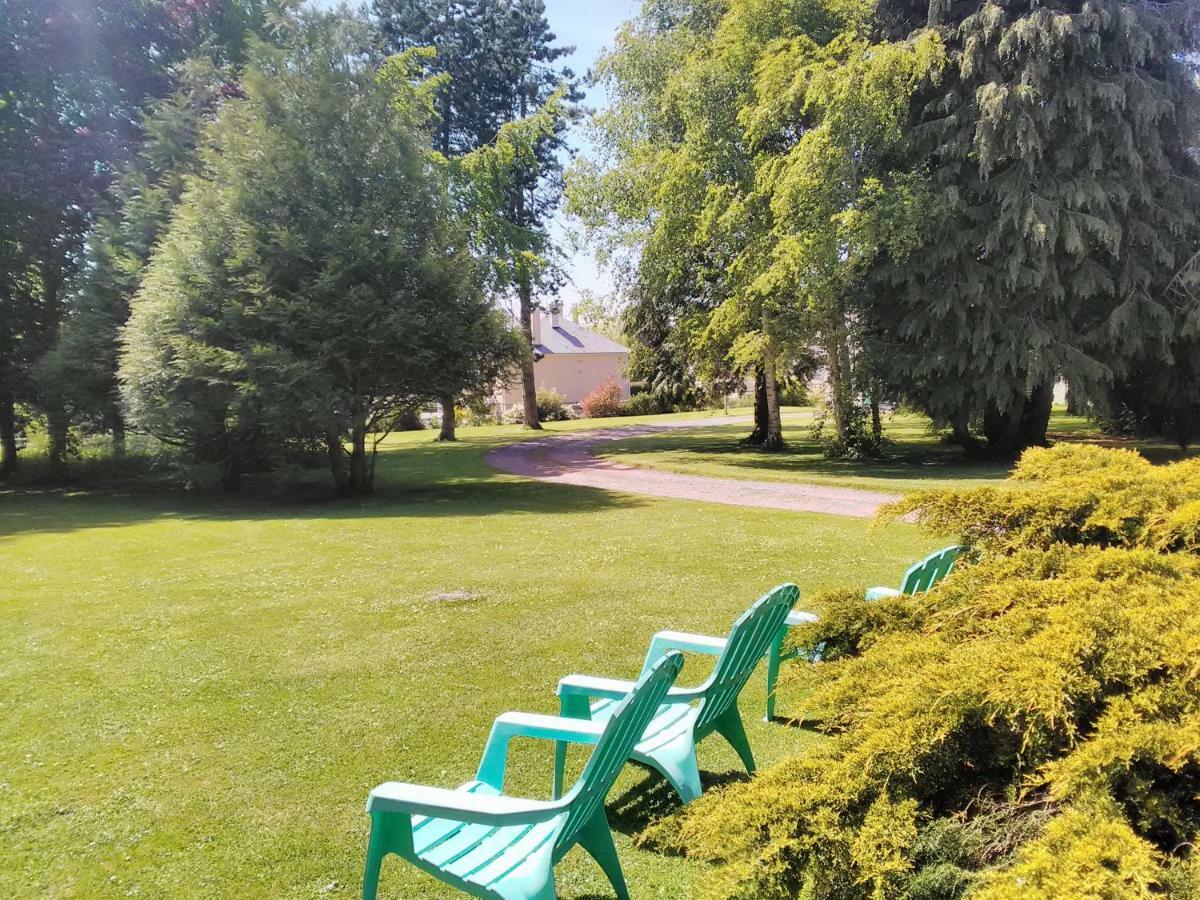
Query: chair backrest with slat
pixel 625 727
pixel 752 635
pixel 922 576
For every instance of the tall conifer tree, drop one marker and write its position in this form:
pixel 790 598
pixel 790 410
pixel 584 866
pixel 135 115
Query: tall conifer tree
pixel 1058 141
pixel 501 65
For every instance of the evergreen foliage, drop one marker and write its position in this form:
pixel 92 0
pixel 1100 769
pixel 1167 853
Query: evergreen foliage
pixel 79 374
pixel 315 279
pixel 1060 145
pixel 74 76
pixel 1026 729
pixel 77 78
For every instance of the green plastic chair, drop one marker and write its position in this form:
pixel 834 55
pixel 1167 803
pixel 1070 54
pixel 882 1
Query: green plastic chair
pixel 489 844
pixel 689 715
pixel 919 578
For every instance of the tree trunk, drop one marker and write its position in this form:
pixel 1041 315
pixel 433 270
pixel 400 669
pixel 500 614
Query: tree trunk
pixel 761 414
pixel 231 472
pixel 1035 418
pixel 447 431
pixel 337 463
pixel 774 439
pixel 1185 425
pixel 961 432
pixel 360 469
pixel 876 416
pixel 1020 426
pixel 58 432
pixel 1076 402
pixel 116 425
pixel 8 435
pixel 525 293
pixel 528 385
pixel 1002 428
pixel 837 387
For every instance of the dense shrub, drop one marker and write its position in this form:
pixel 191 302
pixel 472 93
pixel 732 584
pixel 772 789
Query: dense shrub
pixel 552 406
pixel 646 404
pixel 480 411
pixel 409 419
pixel 794 392
pixel 604 401
pixel 859 443
pixel 1028 729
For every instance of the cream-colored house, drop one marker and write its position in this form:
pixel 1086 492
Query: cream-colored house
pixel 571 360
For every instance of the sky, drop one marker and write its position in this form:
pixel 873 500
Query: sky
pixel 589 27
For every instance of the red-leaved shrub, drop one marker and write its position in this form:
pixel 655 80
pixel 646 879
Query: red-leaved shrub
pixel 604 401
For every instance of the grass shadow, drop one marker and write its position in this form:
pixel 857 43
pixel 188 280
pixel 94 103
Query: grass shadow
pixel 414 481
pixel 652 798
pixel 913 453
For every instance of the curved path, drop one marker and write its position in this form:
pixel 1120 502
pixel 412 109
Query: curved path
pixel 568 459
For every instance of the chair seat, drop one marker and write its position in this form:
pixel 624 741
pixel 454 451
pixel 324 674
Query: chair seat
pixel 485 856
pixel 672 722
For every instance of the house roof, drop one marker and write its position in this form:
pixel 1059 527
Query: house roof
pixel 571 337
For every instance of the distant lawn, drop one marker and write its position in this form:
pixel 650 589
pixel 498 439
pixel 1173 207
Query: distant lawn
pixel 914 459
pixel 198 692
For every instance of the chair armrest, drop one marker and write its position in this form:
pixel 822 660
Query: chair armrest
pixel 591 686
pixel 882 593
pixel 800 617
pixel 530 725
pixel 665 641
pixel 461 806
pixel 612 689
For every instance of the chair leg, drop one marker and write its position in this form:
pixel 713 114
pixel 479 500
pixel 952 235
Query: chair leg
pixel 596 838
pixel 376 850
pixel 773 659
pixel 560 764
pixel 730 727
pixel 683 773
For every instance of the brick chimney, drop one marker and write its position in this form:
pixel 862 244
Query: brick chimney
pixel 556 316
pixel 535 322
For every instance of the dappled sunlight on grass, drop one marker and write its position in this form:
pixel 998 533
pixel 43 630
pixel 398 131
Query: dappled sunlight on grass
pixel 199 691
pixel 915 457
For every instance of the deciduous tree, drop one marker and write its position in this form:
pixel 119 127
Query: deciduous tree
pixel 74 78
pixel 501 65
pixel 750 142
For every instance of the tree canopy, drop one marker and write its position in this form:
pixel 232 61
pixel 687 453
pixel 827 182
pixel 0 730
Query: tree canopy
pixel 958 205
pixel 500 66
pixel 77 79
pixel 315 275
pixel 1060 146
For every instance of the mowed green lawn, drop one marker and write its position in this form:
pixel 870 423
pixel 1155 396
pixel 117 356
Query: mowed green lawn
pixel 197 693
pixel 915 458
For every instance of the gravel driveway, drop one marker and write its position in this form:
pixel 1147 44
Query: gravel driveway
pixel 569 459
